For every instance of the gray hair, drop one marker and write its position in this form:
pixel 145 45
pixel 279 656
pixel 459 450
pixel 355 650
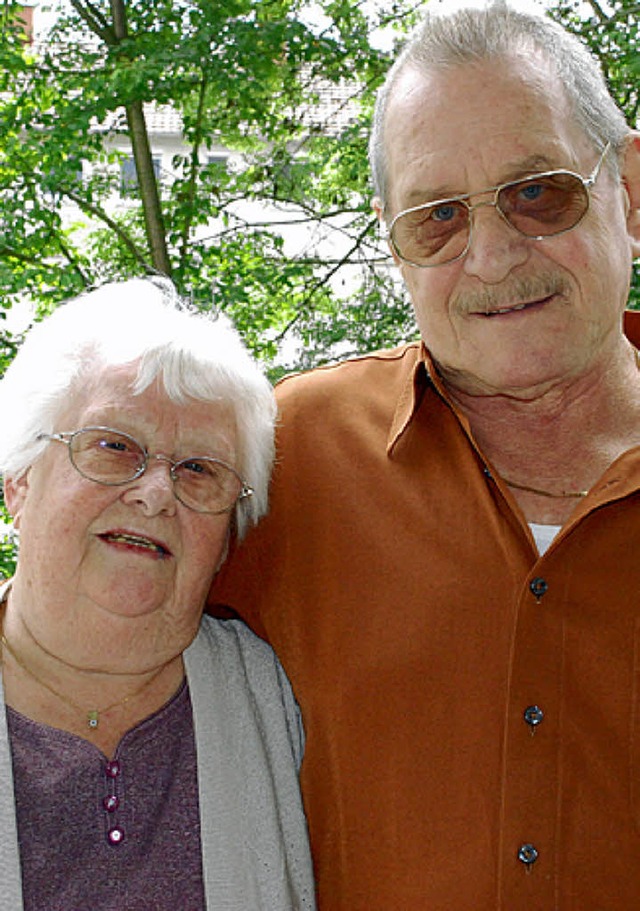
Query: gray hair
pixel 493 32
pixel 138 321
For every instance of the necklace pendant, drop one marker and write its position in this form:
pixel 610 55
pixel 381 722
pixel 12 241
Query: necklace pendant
pixel 92 718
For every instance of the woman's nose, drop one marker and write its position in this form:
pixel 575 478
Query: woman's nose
pixel 153 491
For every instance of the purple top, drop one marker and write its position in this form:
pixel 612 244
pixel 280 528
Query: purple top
pixel 109 835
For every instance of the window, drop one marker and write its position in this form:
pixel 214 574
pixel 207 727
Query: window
pixel 129 175
pixel 217 165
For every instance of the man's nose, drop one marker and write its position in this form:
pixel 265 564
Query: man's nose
pixel 495 247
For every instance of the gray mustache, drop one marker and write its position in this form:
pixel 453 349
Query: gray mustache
pixel 520 291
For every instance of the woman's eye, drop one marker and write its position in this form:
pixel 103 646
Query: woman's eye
pixel 194 467
pixel 113 445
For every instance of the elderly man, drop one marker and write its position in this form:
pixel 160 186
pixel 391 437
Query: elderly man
pixel 450 571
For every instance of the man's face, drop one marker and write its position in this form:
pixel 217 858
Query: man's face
pixel 515 314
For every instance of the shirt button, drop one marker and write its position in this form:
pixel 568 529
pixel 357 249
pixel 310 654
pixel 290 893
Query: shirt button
pixel 539 587
pixel 112 769
pixel 115 836
pixel 533 715
pixel 111 803
pixel 527 854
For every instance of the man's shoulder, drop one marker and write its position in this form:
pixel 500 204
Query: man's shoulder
pixel 390 366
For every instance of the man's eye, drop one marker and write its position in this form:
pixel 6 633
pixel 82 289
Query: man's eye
pixel 443 213
pixel 531 192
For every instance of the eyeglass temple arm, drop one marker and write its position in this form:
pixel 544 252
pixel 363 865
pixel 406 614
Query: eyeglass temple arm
pixel 57 437
pixel 591 179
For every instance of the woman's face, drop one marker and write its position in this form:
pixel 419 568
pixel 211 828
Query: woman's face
pixel 118 575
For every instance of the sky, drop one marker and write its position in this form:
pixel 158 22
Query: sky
pixel 44 15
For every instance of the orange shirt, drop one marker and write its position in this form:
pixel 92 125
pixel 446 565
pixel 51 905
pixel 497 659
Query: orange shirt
pixel 401 588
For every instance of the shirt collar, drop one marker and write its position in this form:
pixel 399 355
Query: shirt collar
pixel 418 379
pixel 423 374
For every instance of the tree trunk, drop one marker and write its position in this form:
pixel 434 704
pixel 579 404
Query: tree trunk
pixel 147 181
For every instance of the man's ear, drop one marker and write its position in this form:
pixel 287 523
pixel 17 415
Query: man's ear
pixel 376 205
pixel 15 494
pixel 631 184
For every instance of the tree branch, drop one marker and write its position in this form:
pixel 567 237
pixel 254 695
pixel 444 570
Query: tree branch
pixel 141 148
pixel 194 167
pixel 100 214
pixel 148 186
pixel 323 281
pixel 73 262
pixel 597 9
pixel 96 21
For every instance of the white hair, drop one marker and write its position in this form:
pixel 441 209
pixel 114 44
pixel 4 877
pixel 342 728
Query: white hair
pixel 139 321
pixel 497 31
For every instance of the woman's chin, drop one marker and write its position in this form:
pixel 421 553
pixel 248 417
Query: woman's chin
pixel 131 601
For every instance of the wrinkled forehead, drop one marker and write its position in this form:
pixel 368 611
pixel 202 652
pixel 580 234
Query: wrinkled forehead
pixel 445 126
pixel 109 398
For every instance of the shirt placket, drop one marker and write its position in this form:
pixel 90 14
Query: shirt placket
pixel 532 755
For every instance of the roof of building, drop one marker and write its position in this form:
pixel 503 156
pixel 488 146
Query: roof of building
pixel 335 108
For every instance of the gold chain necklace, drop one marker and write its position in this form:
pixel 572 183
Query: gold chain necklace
pixel 565 495
pixel 92 716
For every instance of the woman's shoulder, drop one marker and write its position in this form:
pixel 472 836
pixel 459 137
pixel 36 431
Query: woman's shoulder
pixel 247 677
pixel 242 657
pixel 234 636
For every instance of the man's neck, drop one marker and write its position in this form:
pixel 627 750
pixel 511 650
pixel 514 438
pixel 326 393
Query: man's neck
pixel 559 439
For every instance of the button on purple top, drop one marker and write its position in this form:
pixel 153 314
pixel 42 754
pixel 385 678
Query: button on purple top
pixel 131 827
pixel 115 836
pixel 112 769
pixel 111 803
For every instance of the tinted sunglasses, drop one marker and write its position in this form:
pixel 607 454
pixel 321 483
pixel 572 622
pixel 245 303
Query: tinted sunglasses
pixel 542 205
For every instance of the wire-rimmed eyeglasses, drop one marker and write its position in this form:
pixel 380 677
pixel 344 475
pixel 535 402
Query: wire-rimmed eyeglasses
pixel 538 206
pixel 113 458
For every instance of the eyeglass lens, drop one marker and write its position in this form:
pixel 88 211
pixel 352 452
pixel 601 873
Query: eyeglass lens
pixel 111 457
pixel 539 206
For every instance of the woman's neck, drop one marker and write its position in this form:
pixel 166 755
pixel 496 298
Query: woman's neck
pixel 96 705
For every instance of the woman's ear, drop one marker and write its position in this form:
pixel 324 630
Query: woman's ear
pixel 631 184
pixel 15 494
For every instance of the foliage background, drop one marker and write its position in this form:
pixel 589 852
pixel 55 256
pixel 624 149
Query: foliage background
pixel 244 75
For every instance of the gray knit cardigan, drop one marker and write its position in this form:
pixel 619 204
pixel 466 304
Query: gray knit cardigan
pixel 249 742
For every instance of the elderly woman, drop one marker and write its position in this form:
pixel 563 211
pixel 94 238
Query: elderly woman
pixel 148 757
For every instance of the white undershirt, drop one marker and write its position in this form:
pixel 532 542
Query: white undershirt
pixel 543 535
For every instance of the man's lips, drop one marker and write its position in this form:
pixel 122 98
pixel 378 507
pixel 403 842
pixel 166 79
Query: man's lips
pixel 514 308
pixel 137 542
